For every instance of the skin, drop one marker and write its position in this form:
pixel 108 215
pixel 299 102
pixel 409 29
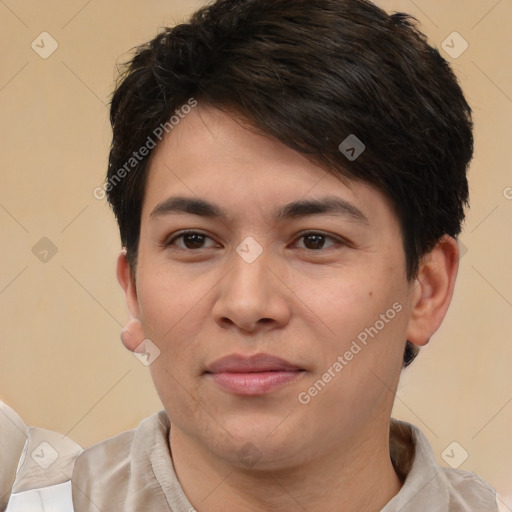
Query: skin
pixel 303 299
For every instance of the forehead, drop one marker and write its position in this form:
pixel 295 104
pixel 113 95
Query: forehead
pixel 215 143
pixel 212 154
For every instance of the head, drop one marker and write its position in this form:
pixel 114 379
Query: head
pixel 326 119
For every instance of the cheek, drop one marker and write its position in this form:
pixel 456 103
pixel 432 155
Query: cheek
pixel 173 313
pixel 179 394
pixel 169 297
pixel 339 302
pixel 365 306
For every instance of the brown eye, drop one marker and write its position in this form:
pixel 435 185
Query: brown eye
pixel 191 240
pixel 317 241
pixel 314 241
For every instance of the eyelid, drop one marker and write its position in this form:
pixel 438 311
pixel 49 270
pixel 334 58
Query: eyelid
pixel 178 234
pixel 338 240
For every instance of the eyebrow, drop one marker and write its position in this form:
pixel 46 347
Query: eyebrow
pixel 297 209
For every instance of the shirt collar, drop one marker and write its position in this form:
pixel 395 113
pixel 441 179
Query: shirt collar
pixel 426 485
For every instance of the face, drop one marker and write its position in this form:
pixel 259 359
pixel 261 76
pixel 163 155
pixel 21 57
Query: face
pixel 275 292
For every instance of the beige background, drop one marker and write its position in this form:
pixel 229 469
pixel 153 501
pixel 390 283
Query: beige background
pixel 62 366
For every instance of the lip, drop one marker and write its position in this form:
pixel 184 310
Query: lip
pixel 237 363
pixel 252 375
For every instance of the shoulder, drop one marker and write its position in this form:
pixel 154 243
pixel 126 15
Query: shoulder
pixel 116 453
pixel 426 484
pixel 109 458
pixel 467 489
pixel 120 469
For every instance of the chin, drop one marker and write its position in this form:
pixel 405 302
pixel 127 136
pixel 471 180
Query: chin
pixel 268 439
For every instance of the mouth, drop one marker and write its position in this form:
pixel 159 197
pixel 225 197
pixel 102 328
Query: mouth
pixel 254 375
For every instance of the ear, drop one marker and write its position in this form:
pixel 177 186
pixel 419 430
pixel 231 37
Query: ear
pixel 432 290
pixel 133 334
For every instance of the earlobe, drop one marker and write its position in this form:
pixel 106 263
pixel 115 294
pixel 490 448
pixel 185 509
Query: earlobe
pixel 133 334
pixel 433 290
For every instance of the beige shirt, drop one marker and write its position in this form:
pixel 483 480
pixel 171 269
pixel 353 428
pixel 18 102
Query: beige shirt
pixel 134 472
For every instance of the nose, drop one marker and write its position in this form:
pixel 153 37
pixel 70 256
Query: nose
pixel 253 297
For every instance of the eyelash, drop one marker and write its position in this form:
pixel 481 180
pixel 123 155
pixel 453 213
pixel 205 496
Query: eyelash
pixel 337 241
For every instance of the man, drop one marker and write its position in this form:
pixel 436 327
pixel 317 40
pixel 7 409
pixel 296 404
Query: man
pixel 289 179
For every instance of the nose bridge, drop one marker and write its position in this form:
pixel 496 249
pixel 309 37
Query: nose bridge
pixel 249 277
pixel 250 291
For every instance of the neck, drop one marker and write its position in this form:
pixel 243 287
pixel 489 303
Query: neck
pixel 356 476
